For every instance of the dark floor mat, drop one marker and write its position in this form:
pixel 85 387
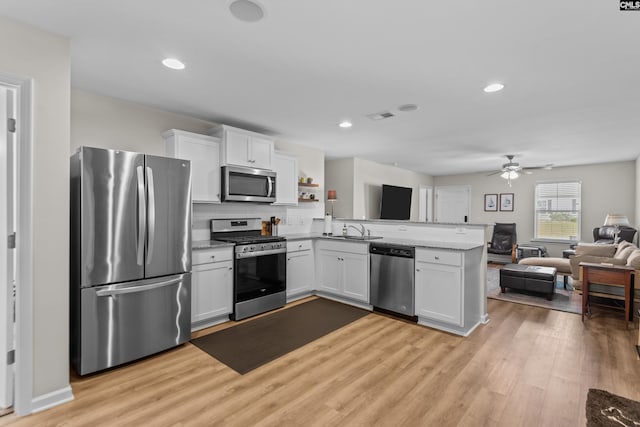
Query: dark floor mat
pixel 252 344
pixel 607 409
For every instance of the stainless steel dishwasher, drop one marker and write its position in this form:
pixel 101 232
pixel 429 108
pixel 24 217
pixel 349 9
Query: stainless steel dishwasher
pixel 392 277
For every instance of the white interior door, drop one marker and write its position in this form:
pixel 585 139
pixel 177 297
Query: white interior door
pixel 7 267
pixel 453 204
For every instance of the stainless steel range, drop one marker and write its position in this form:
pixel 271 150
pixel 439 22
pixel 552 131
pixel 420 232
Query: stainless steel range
pixel 260 266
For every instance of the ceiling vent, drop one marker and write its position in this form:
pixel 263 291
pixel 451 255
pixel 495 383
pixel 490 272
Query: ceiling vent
pixel 381 116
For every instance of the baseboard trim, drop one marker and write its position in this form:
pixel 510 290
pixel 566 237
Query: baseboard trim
pixel 49 400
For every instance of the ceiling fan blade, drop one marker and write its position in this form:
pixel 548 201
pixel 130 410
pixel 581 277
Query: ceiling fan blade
pixel 547 167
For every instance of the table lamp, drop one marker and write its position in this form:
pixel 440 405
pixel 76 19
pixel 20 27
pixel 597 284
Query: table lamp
pixel 616 220
pixel 332 198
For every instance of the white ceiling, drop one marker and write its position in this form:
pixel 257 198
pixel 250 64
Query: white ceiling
pixel 571 70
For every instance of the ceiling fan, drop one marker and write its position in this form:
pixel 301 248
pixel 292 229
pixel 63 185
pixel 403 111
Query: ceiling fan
pixel 512 170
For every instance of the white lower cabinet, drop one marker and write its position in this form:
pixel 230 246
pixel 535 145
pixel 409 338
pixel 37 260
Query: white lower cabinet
pixel 447 295
pixel 211 287
pixel 439 292
pixel 300 269
pixel 343 269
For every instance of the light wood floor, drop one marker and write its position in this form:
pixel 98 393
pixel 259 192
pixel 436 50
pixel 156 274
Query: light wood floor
pixel 528 366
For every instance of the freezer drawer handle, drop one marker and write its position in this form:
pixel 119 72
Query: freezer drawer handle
pixel 132 289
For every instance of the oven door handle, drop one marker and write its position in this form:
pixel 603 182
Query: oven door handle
pixel 240 255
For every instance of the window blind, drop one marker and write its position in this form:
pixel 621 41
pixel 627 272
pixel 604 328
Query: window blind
pixel 558 210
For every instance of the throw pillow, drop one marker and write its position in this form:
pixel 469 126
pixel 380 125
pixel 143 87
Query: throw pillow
pixel 624 254
pixel 633 260
pixel 623 245
pixel 596 250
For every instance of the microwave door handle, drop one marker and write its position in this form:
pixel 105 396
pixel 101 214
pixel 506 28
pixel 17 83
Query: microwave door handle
pixel 152 214
pixel 142 213
pixel 270 187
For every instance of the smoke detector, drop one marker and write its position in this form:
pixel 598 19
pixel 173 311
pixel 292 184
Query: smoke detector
pixel 246 10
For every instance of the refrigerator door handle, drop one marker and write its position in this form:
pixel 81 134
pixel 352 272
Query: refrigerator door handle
pixel 138 288
pixel 151 215
pixel 142 213
pixel 270 189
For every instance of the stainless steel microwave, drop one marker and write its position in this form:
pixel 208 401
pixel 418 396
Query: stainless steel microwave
pixel 248 185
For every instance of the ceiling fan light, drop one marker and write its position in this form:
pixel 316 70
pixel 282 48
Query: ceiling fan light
pixel 509 175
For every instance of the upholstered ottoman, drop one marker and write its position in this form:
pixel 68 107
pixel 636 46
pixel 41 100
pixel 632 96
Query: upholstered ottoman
pixel 529 278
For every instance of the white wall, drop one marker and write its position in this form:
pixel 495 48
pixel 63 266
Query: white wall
pixel 105 122
pixel 29 52
pixel 606 188
pixel 359 185
pixel 339 177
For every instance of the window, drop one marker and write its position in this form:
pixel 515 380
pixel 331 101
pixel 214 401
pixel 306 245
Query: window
pixel 558 210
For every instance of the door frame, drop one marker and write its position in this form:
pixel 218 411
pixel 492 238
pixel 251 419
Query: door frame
pixel 23 365
pixel 425 211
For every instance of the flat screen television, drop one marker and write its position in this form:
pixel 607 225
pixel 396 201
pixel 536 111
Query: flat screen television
pixel 396 202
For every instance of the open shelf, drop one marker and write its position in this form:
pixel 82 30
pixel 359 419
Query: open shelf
pixel 308 200
pixel 304 184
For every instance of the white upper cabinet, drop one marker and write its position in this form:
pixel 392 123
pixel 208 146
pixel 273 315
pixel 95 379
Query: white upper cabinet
pixel 244 148
pixel 286 168
pixel 204 154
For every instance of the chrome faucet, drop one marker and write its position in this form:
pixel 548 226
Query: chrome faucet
pixel 361 231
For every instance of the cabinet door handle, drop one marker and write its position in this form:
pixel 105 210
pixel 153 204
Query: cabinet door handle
pixel 288 259
pixel 230 268
pixel 417 269
pixel 213 257
pixel 437 257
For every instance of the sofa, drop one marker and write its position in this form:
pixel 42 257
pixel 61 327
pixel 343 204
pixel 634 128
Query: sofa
pixel 624 253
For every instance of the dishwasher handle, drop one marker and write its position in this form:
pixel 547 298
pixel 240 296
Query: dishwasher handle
pixel 393 250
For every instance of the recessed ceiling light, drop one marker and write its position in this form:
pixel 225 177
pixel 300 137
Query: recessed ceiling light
pixel 246 10
pixel 345 124
pixel 494 87
pixel 173 63
pixel 408 107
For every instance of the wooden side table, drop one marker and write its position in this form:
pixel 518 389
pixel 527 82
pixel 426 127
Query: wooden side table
pixel 610 275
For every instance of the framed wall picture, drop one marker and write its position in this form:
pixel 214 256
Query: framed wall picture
pixel 490 202
pixel 506 202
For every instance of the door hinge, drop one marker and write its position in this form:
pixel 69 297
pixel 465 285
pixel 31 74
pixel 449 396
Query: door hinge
pixel 11 125
pixel 11 357
pixel 11 241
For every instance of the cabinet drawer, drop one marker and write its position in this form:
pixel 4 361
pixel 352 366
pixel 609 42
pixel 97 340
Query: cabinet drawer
pixel 299 245
pixel 439 256
pixel 204 256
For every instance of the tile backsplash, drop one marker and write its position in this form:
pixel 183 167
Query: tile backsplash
pixel 293 219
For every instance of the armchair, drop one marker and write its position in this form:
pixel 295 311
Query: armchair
pixel 606 234
pixel 502 247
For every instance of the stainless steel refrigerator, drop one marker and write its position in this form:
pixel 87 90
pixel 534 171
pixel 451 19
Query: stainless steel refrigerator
pixel 130 256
